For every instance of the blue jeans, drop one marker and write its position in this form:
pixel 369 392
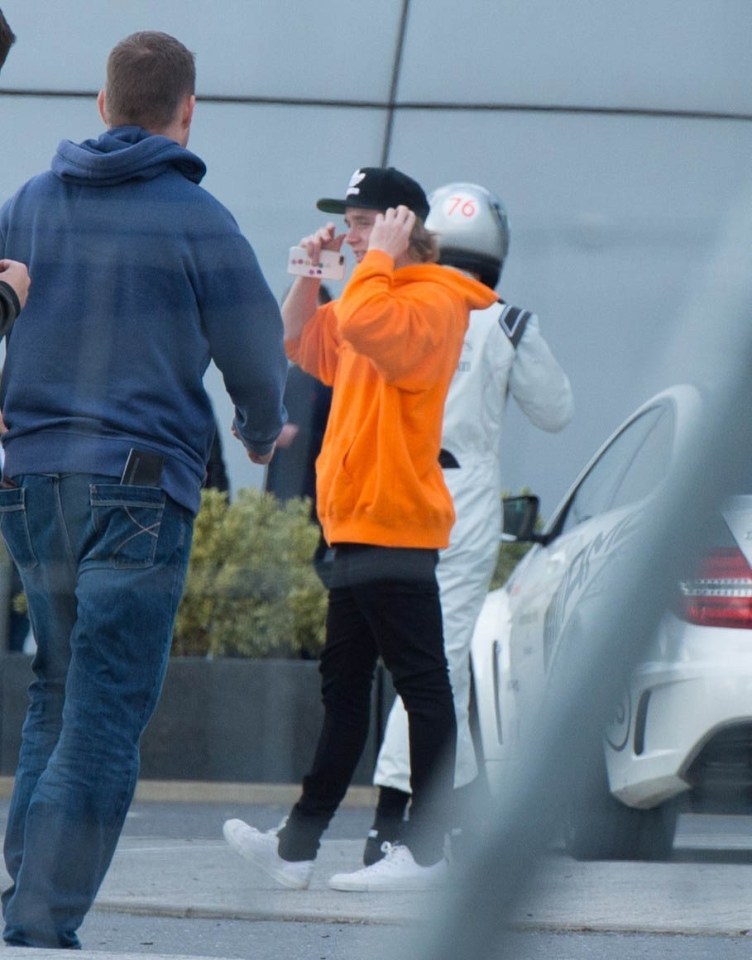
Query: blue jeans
pixel 103 566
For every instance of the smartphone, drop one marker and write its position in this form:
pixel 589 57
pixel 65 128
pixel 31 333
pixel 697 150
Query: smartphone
pixel 330 266
pixel 143 468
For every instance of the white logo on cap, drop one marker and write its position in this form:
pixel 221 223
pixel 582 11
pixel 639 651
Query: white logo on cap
pixel 355 179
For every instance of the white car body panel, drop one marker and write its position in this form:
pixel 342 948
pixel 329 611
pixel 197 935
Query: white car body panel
pixel 694 683
pixel 701 685
pixel 490 659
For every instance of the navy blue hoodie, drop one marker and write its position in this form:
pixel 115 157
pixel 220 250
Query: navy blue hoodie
pixel 139 278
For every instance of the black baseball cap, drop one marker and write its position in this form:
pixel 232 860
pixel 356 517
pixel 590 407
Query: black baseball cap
pixel 378 188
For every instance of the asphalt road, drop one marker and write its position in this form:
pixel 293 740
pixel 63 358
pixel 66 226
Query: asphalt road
pixel 264 940
pixel 704 840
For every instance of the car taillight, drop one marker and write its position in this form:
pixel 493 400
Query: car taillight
pixel 721 593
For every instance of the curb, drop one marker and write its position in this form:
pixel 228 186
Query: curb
pixel 202 791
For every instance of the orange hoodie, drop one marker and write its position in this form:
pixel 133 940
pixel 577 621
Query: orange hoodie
pixel 389 347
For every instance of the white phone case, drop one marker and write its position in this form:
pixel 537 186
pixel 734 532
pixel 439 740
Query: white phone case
pixel 331 265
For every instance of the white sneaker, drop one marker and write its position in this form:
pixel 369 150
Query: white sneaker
pixel 262 849
pixel 397 871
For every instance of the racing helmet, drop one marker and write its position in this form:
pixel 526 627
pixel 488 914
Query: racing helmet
pixel 472 229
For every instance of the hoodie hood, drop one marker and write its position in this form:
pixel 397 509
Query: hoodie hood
pixel 476 295
pixel 122 154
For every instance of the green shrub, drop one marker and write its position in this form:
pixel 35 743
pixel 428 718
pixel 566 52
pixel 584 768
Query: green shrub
pixel 509 556
pixel 251 589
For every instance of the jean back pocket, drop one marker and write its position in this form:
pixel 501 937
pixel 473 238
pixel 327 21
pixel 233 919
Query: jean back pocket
pixel 127 520
pixel 14 524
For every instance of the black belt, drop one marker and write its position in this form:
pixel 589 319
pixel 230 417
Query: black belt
pixel 448 460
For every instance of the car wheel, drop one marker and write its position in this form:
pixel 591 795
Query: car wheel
pixel 599 827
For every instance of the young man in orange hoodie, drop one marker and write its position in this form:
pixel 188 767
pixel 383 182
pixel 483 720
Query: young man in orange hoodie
pixel 388 347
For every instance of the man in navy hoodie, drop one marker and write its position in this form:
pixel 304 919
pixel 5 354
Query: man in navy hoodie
pixel 140 279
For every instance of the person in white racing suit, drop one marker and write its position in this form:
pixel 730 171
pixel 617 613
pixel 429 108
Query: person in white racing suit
pixel 504 352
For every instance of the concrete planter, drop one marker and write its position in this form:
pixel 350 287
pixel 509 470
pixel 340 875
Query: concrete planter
pixel 219 720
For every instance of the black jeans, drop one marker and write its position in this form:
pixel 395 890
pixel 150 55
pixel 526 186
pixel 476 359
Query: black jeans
pixel 383 601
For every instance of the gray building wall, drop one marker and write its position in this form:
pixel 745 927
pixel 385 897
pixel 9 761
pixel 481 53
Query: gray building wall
pixel 618 135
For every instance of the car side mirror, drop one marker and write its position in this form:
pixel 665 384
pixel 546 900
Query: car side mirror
pixel 520 518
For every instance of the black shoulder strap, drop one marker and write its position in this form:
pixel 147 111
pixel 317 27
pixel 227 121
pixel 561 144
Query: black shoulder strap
pixel 513 321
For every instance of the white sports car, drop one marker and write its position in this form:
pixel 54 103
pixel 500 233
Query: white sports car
pixel 681 737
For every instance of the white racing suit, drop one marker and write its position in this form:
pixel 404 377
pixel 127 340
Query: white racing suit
pixel 504 352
